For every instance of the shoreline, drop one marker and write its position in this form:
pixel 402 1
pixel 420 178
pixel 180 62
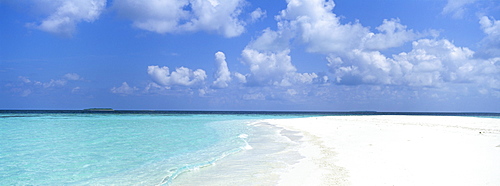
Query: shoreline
pixel 394 150
pixel 269 154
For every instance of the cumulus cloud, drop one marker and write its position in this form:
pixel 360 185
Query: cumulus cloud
pixel 222 75
pixel 433 62
pixel 355 53
pixel 456 8
pixel 273 68
pixel 257 14
pixel 72 76
pixel 155 88
pixel 359 67
pixel 490 26
pixel 320 29
pixel 353 49
pixel 66 15
pixel 240 77
pixel 491 43
pixel 391 34
pixel 124 89
pixel 181 76
pixel 268 68
pixel 219 16
pixel 271 40
pixel 316 25
pixel 430 63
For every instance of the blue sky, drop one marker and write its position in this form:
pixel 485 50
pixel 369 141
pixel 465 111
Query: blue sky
pixel 387 55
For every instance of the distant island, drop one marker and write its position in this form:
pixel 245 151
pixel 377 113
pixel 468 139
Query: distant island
pixel 98 109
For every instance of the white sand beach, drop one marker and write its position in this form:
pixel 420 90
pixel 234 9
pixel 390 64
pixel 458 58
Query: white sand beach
pixel 394 150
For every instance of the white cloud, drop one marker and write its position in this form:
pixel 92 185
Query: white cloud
pixel 291 92
pixel 257 14
pixel 392 34
pixel 491 43
pixel 271 40
pixel 316 25
pixel 72 76
pixel 491 27
pixel 155 88
pixel 222 75
pixel 217 15
pixel 76 90
pixel 355 56
pixel 456 8
pixel 155 16
pixel 55 83
pixel 68 14
pixel 60 82
pixel 220 16
pixel 268 68
pixel 273 68
pixel 353 46
pixel 181 76
pixel 354 52
pixel 255 96
pixel 26 86
pixel 362 67
pixel 24 79
pixel 25 93
pixel 430 63
pixel 240 77
pixel 124 89
pixel 434 62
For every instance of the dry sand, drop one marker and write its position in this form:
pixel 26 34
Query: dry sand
pixel 394 150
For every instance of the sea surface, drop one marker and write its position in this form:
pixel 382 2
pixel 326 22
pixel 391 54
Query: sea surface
pixel 145 147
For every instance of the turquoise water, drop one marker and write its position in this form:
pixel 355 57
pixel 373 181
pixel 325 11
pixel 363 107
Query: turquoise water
pixel 119 149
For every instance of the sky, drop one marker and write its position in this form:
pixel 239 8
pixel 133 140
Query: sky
pixel 293 55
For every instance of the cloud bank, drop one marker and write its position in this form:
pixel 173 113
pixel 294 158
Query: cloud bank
pixel 27 86
pixel 355 55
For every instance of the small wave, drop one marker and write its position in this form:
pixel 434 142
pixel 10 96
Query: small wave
pixel 247 146
pixel 167 180
pixel 243 136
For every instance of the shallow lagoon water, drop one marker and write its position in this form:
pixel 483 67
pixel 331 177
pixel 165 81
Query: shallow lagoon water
pixel 120 149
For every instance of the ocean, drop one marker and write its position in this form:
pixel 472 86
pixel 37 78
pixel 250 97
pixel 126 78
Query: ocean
pixel 148 147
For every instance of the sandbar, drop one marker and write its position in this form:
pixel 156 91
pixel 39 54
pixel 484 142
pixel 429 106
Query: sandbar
pixel 394 150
